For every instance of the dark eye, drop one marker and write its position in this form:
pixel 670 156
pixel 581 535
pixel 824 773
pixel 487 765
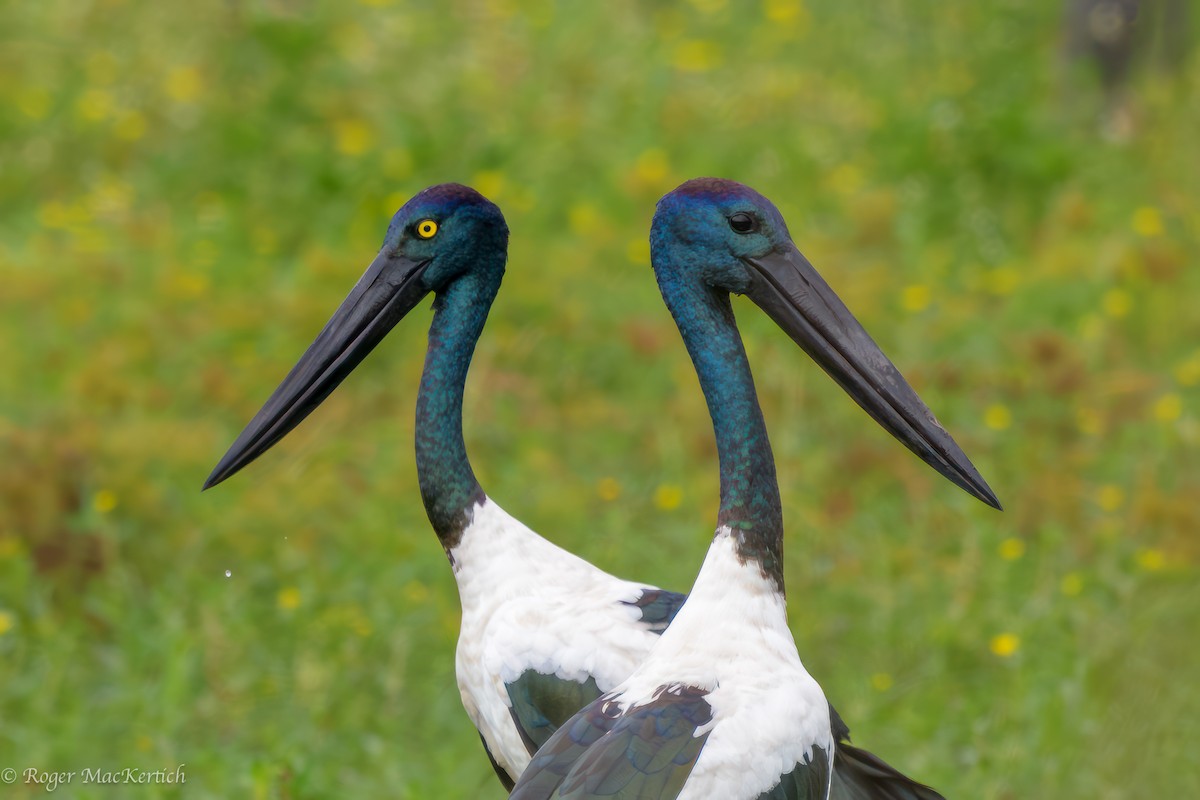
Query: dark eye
pixel 742 222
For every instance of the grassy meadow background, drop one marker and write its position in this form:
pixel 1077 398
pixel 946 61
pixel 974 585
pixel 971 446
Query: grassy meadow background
pixel 187 191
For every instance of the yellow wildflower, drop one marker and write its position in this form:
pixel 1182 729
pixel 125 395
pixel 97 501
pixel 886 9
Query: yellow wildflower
pixel 651 167
pixel 1117 303
pixel 187 285
pixel 846 179
pixel 1005 644
pixel 1188 372
pixel 1012 548
pixel 881 681
pixel 1147 221
pixel 288 598
pixel 1110 497
pixel 94 105
pixel 1071 584
pixel 608 489
pixel 183 84
pixel 54 215
pixel 584 220
pixel 1169 407
pixel 6 622
pixel 503 9
pixel 785 12
pixel 1151 559
pixel 697 55
pixel 997 417
pixel 1088 421
pixel 393 202
pixel 1002 280
pixel 104 501
pixel 638 251
pixel 489 183
pixel 915 298
pixel 354 136
pixel 668 496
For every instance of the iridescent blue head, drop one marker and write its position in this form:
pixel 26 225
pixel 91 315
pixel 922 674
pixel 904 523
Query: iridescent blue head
pixel 712 237
pixel 445 238
pixel 708 226
pixel 450 230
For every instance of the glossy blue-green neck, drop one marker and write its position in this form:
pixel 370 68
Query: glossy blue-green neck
pixel 750 503
pixel 448 485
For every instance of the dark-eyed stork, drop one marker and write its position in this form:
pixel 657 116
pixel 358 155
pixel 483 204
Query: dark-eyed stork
pixel 722 707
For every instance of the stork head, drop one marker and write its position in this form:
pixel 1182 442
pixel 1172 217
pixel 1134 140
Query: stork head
pixel 446 235
pixel 713 236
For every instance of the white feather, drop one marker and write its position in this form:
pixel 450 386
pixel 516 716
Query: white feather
pixel 731 638
pixel 529 604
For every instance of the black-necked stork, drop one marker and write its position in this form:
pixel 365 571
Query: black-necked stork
pixel 722 707
pixel 543 631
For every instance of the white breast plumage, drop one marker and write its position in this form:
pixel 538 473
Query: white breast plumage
pixel 528 604
pixel 731 638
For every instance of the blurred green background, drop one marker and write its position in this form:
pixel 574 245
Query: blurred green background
pixel 187 190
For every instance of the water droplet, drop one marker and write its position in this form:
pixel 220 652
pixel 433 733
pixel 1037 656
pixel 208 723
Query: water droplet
pixel 228 573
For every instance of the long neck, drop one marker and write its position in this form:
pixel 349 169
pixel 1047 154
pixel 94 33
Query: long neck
pixel 750 503
pixel 448 485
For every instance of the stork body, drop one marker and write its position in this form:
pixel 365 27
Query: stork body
pixel 722 705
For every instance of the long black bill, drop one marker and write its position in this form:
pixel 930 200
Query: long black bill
pixel 388 290
pixel 794 294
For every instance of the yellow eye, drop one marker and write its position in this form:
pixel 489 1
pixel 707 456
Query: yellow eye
pixel 426 228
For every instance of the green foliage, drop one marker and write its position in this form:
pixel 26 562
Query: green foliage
pixel 188 190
